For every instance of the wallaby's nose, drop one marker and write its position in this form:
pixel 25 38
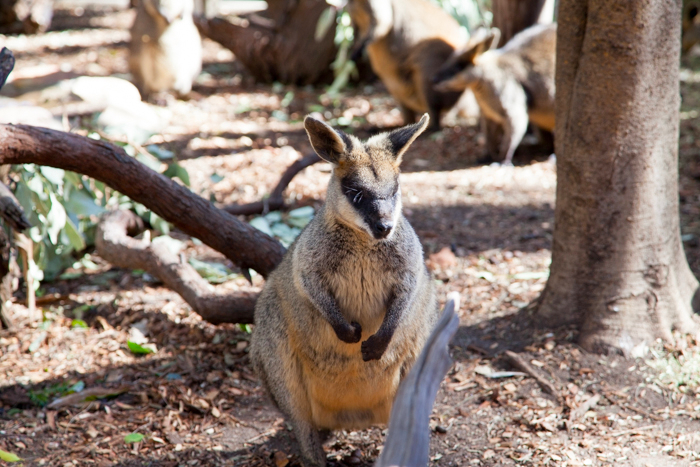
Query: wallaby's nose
pixel 383 228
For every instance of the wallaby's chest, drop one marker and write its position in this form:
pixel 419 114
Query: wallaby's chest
pixel 361 285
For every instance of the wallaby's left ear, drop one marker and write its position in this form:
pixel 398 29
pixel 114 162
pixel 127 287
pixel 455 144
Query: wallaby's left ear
pixel 401 139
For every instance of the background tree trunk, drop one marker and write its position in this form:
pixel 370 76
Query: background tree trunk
pixel 512 16
pixel 618 271
pixel 279 44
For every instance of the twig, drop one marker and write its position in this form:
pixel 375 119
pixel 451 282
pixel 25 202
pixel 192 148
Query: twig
pixel 581 410
pixel 518 362
pixel 275 202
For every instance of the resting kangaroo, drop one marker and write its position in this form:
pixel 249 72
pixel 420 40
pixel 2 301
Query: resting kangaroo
pixel 346 313
pixel 513 85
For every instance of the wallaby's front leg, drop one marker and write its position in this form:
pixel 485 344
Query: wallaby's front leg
pixel 402 296
pixel 324 302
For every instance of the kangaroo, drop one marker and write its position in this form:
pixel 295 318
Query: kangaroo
pixel 345 315
pixel 166 50
pixel 406 42
pixel 513 85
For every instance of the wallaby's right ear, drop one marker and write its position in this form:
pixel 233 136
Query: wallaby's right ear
pixel 482 41
pixel 329 144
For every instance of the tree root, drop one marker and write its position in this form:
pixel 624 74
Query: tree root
pixel 243 244
pixel 276 201
pixel 115 245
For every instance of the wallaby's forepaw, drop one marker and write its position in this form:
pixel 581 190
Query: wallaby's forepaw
pixel 373 348
pixel 350 333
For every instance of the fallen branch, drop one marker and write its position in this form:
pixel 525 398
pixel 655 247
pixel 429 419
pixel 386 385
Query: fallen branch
pixel 276 201
pixel 246 246
pixel 407 442
pixel 114 244
pixel 518 362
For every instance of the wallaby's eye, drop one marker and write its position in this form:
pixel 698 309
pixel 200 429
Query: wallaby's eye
pixel 354 193
pixel 693 12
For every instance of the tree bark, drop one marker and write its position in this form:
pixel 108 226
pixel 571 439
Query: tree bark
pixel 618 270
pixel 246 246
pixel 279 46
pixel 115 243
pixel 512 16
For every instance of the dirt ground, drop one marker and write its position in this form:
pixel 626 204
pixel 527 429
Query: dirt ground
pixel 486 232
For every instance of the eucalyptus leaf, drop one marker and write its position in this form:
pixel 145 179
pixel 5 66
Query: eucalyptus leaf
pixel 213 272
pixel 52 174
pixel 133 438
pixel 76 238
pixel 160 152
pixel 138 349
pixel 56 219
pixel 82 204
pixel 325 21
pixel 261 224
pixel 9 457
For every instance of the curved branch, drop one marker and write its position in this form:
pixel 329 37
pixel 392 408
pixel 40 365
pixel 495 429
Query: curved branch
pixel 276 200
pixel 116 246
pixel 241 243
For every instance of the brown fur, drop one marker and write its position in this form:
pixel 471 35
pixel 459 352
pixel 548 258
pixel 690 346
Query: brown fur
pixel 407 41
pixel 345 315
pixel 513 85
pixel 691 23
pixel 166 50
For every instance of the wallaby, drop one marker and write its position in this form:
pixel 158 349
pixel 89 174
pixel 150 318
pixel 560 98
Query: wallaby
pixel 691 23
pixel 166 49
pixel 407 41
pixel 513 85
pixel 344 316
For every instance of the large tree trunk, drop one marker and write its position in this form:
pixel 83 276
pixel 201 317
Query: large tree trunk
pixel 279 46
pixel 618 267
pixel 512 16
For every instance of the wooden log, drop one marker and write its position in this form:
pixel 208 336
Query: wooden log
pixel 408 440
pixel 115 243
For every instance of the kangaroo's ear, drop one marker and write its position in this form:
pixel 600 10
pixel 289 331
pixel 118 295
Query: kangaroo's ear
pixel 401 139
pixel 329 144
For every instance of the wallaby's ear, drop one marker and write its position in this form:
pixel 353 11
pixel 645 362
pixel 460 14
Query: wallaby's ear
pixel 329 144
pixel 481 41
pixel 401 139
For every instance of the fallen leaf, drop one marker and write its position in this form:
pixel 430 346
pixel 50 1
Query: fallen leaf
pixel 133 438
pixel 281 459
pixel 8 456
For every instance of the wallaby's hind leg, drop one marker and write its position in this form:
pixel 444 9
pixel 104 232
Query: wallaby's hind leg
pixel 515 121
pixel 309 440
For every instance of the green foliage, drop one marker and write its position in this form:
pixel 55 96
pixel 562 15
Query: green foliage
pixel 138 349
pixel 63 208
pixel 41 397
pixel 8 456
pixel 133 438
pixel 471 14
pixel 284 227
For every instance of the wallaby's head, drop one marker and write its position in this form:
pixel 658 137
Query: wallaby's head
pixel 364 190
pixel 458 72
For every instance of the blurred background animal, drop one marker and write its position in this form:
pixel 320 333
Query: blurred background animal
pixel 333 338
pixel 165 53
pixel 513 85
pixel 406 42
pixel 691 24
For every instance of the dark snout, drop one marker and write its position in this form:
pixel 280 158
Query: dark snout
pixel 382 219
pixel 382 229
